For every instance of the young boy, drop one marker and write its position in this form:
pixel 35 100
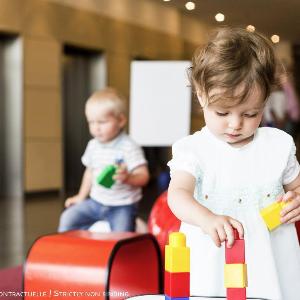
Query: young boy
pixel 105 113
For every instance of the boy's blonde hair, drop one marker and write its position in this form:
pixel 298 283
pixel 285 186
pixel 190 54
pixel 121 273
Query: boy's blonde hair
pixel 231 64
pixel 110 99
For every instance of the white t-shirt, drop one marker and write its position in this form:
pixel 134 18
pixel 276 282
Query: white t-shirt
pixel 238 182
pixel 99 155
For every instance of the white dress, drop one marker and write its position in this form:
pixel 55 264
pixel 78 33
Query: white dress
pixel 238 182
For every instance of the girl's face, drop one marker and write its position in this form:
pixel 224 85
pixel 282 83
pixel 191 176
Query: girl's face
pixel 235 125
pixel 103 124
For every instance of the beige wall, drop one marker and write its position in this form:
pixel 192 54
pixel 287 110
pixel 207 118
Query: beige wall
pixel 45 26
pixel 146 13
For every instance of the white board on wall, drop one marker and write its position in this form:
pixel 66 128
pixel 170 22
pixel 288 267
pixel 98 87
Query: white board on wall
pixel 160 102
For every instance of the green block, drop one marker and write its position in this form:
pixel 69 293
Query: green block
pixel 105 178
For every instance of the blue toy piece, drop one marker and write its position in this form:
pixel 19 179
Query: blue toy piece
pixel 171 298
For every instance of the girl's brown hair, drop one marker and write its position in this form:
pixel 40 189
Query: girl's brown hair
pixel 231 63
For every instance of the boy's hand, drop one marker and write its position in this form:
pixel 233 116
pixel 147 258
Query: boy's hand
pixel 122 173
pixel 291 212
pixel 220 229
pixel 73 200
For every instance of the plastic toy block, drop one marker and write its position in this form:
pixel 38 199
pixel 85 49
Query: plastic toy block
pixel 172 298
pixel 105 178
pixel 236 294
pixel 119 161
pixel 177 255
pixel 236 234
pixel 271 214
pixel 235 254
pixel 177 284
pixel 235 275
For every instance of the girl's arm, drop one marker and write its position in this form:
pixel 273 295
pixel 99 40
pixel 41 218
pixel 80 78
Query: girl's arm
pixel 291 212
pixel 189 210
pixel 84 190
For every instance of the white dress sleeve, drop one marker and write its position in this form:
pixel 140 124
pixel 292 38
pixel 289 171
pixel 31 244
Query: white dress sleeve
pixel 183 158
pixel 292 168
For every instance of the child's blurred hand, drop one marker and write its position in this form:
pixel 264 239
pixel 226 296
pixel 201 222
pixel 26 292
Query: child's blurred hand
pixel 122 173
pixel 220 229
pixel 73 200
pixel 291 212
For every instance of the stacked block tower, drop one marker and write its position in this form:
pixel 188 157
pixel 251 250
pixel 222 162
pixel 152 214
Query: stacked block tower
pixel 235 272
pixel 177 268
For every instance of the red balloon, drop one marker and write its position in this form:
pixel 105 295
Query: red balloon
pixel 162 221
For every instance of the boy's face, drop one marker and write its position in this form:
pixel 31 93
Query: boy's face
pixel 235 125
pixel 104 125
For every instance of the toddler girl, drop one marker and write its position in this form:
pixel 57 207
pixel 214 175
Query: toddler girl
pixel 222 175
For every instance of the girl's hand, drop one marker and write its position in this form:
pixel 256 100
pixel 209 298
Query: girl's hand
pixel 122 173
pixel 73 200
pixel 220 229
pixel 291 212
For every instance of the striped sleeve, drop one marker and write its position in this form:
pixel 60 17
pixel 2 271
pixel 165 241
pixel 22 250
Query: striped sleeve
pixel 134 157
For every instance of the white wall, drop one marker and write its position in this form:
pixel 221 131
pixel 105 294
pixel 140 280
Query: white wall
pixel 160 102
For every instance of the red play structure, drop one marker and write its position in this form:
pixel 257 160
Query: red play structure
pixel 84 265
pixel 110 265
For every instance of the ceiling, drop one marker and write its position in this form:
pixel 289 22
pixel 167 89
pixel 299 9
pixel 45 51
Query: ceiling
pixel 270 17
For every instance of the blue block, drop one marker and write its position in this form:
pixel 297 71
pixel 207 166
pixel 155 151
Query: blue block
pixel 170 298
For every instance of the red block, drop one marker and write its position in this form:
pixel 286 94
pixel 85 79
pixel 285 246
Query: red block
pixel 236 234
pixel 235 254
pixel 298 230
pixel 177 285
pixel 236 294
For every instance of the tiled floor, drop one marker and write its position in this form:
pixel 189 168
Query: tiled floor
pixel 11 231
pixel 22 221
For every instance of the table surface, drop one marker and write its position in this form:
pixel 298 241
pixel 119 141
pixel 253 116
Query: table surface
pixel 162 297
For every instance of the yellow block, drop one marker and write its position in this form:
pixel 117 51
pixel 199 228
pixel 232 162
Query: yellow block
pixel 177 239
pixel 235 276
pixel 271 214
pixel 177 255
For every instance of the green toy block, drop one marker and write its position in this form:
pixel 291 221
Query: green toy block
pixel 105 178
